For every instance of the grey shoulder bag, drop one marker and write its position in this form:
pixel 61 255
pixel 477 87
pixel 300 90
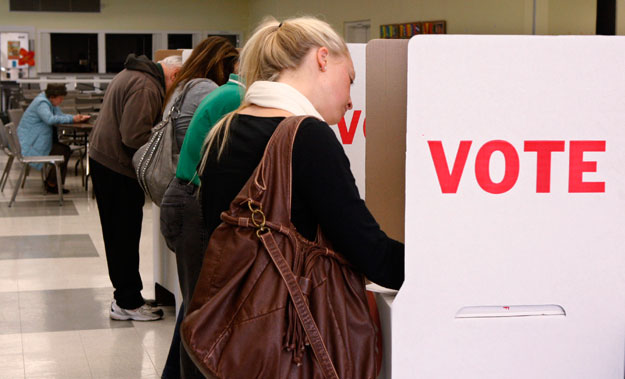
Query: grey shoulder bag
pixel 155 162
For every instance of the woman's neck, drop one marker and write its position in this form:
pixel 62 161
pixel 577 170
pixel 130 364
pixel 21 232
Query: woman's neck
pixel 255 110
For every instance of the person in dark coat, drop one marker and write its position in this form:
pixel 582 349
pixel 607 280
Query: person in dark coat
pixel 132 106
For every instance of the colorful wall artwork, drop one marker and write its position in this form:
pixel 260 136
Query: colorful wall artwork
pixel 407 30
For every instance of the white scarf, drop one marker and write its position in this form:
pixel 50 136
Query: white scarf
pixel 282 96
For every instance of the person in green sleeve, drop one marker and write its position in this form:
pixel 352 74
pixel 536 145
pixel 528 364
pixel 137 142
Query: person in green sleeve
pixel 182 224
pixel 223 100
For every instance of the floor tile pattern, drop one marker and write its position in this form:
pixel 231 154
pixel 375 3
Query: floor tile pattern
pixel 69 309
pixel 55 292
pixel 48 207
pixel 47 246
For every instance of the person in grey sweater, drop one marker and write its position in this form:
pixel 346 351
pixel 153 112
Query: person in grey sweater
pixel 208 67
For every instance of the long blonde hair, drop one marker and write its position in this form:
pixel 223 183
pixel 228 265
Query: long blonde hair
pixel 273 47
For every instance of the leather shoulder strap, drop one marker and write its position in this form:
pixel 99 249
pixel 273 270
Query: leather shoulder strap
pixel 174 112
pixel 303 312
pixel 271 182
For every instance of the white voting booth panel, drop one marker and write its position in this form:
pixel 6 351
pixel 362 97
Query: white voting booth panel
pixel 515 200
pixel 165 269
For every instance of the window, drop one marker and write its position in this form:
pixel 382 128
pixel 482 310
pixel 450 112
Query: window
pixel 74 52
pixel 118 46
pixel 233 38
pixel 358 31
pixel 179 41
pixel 55 5
pixel 606 17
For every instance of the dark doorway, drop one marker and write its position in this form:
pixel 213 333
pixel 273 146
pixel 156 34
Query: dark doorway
pixel 73 52
pixel 233 38
pixel 118 46
pixel 179 41
pixel 606 17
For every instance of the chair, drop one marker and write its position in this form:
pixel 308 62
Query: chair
pixel 31 92
pixel 15 115
pixel 16 149
pixel 68 109
pixel 85 109
pixel 85 87
pixel 69 102
pixel 30 96
pixel 88 100
pixel 14 95
pixel 76 140
pixel 4 146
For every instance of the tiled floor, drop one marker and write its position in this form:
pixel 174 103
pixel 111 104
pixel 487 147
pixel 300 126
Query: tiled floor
pixel 55 291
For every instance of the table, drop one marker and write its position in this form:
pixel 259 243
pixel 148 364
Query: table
pixel 86 127
pixel 70 80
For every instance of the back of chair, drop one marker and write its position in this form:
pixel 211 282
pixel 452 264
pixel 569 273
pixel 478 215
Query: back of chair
pixel 85 109
pixel 4 139
pixel 69 102
pixel 14 141
pixel 68 109
pixel 15 115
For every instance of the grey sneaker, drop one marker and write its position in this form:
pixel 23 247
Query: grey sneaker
pixel 143 313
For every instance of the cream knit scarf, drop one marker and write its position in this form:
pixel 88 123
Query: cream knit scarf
pixel 282 96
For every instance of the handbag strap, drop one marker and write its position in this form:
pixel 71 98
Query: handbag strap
pixel 180 98
pixel 301 306
pixel 271 183
pixel 174 111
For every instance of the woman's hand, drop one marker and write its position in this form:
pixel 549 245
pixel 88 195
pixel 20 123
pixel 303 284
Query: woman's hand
pixel 81 117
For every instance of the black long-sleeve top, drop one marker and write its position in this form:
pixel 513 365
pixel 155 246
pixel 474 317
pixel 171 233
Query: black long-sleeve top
pixel 324 193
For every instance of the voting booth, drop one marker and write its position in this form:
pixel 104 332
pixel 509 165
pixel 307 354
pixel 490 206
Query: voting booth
pixel 514 203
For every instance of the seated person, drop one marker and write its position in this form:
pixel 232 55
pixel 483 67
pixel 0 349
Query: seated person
pixel 35 130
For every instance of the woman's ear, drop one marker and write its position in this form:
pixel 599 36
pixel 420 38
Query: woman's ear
pixel 322 58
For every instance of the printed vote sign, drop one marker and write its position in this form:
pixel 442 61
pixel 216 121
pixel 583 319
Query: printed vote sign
pixel 351 131
pixel 515 209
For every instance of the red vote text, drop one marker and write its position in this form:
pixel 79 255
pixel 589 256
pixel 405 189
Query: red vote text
pixel 347 133
pixel 449 176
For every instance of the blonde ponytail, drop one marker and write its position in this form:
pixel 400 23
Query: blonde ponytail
pixel 273 48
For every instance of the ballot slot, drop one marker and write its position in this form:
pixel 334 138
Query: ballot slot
pixel 495 311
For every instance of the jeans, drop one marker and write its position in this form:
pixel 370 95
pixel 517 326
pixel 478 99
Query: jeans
pixel 184 231
pixel 172 364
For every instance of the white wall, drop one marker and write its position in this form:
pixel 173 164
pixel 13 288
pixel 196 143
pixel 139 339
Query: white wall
pixel 463 17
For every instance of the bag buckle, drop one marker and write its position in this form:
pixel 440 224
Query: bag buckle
pixel 258 218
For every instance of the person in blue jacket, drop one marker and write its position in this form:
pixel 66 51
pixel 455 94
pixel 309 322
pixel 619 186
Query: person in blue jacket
pixel 35 130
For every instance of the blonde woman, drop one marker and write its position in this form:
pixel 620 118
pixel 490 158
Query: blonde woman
pixel 300 67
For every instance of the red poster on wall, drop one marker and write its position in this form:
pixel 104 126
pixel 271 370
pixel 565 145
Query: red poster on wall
pixel 13 49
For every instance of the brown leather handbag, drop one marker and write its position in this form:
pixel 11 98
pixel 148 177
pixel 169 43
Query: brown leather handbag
pixel 269 303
